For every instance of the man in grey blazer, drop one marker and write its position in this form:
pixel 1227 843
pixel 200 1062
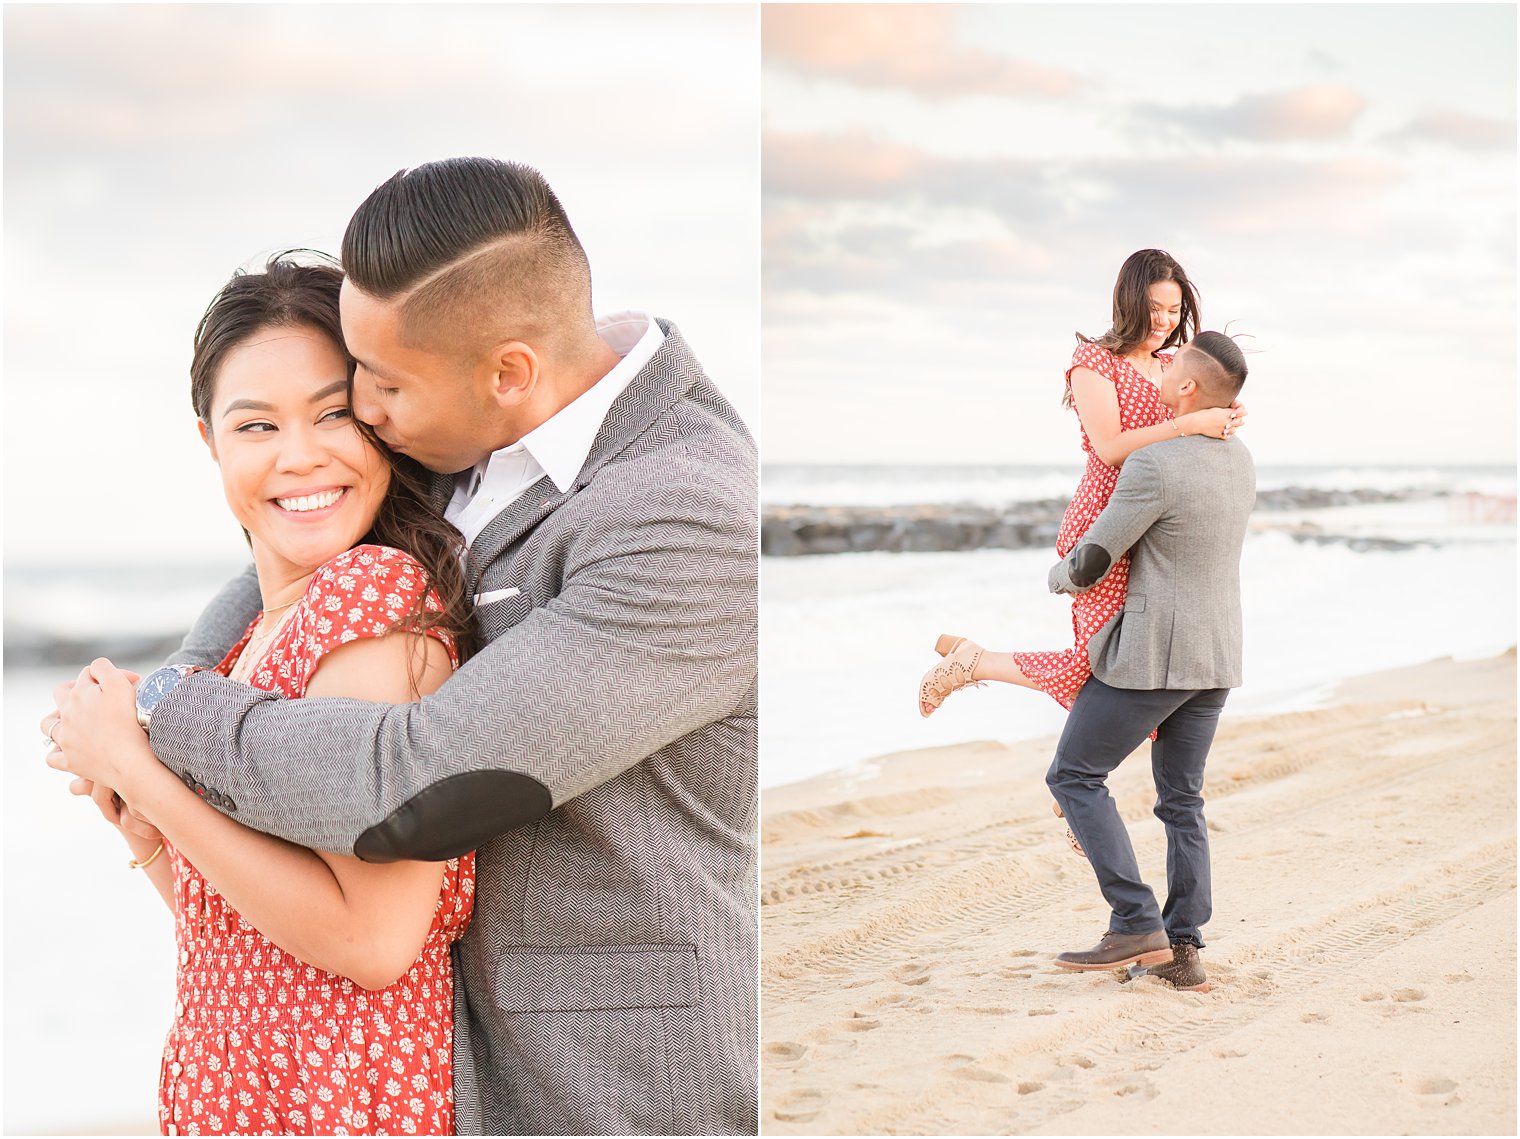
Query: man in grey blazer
pixel 599 750
pixel 1166 663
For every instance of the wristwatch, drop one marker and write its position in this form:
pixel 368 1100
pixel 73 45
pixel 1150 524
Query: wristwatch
pixel 156 685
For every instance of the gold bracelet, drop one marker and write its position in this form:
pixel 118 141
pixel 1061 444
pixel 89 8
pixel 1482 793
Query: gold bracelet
pixel 147 862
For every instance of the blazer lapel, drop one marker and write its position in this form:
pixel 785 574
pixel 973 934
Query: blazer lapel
pixel 662 382
pixel 440 490
pixel 516 518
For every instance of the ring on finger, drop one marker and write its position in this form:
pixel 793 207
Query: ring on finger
pixel 53 727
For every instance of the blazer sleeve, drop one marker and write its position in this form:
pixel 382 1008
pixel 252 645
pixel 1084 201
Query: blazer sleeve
pixel 1138 500
pixel 224 620
pixel 652 635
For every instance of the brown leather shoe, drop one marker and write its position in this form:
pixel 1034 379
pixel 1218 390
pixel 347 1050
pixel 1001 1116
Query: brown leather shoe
pixel 1184 970
pixel 1120 949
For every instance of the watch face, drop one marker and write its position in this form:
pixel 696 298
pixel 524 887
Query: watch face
pixel 155 687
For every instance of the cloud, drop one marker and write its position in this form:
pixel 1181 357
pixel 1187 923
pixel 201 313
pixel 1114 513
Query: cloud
pixel 1233 194
pixel 1456 129
pixel 836 166
pixel 1313 113
pixel 910 46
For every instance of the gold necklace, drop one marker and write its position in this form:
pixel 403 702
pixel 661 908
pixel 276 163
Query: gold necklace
pixel 1147 372
pixel 258 641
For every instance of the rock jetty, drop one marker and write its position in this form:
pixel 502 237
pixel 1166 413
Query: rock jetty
pixel 794 531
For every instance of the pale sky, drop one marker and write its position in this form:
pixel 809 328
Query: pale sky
pixel 150 151
pixel 949 192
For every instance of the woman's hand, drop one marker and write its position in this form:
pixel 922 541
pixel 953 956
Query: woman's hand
pixel 96 735
pixel 118 813
pixel 1215 422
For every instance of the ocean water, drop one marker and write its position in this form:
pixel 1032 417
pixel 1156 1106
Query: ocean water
pixel 792 484
pixel 89 946
pixel 846 638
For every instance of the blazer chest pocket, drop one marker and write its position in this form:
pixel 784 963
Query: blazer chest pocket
pixel 1134 603
pixel 495 617
pixel 578 978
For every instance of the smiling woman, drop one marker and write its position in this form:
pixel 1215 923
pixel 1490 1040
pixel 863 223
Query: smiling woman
pixel 314 494
pixel 302 481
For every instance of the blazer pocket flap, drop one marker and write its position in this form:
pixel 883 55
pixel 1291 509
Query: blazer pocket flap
pixel 585 977
pixel 1134 603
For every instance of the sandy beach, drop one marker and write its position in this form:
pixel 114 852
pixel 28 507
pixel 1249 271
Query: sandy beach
pixel 1362 951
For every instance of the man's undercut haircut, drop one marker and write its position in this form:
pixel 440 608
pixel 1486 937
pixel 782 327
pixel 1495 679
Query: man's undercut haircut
pixel 480 250
pixel 1221 370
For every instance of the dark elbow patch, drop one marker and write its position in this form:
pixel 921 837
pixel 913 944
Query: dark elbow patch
pixel 455 816
pixel 1089 563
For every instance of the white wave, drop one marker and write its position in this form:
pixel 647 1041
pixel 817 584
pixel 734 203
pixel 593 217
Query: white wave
pixel 845 638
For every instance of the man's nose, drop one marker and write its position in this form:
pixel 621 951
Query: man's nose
pixel 366 407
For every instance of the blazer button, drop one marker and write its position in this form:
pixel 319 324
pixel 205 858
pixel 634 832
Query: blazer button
pixel 229 804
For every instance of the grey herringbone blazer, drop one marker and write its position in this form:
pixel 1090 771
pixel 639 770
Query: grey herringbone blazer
pixel 600 751
pixel 1180 509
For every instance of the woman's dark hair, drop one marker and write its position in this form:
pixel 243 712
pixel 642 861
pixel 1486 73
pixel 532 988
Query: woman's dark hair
pixel 1132 304
pixel 304 294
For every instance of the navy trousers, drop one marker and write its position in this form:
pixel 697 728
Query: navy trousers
pixel 1105 725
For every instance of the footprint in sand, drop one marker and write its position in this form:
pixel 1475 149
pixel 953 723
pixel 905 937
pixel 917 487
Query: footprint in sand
pixel 1028 1087
pixel 1313 1018
pixel 784 1053
pixel 981 1075
pixel 1456 977
pixel 1078 1061
pixel 858 1023
pixel 902 1002
pixel 1013 973
pixel 1439 1085
pixel 1405 996
pixel 800 1106
pixel 1373 996
pixel 1024 953
pixel 1042 1012
pixel 1228 1054
pixel 909 974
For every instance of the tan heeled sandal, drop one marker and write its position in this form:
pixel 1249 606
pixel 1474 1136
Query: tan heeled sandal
pixel 956 671
pixel 1071 838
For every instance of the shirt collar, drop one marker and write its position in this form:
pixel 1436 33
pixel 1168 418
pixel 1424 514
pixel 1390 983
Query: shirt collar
pixel 561 443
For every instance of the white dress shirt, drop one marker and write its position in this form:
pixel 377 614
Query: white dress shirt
pixel 558 446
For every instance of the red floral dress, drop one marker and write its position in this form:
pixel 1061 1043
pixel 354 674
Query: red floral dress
pixel 263 1043
pixel 1062 674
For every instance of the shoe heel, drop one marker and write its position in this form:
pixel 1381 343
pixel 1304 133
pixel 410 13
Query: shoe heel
pixel 946 643
pixel 1155 957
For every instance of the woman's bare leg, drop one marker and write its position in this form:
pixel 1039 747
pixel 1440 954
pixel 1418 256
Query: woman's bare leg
pixel 1001 667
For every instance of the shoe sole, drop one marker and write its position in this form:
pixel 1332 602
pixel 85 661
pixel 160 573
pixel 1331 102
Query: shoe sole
pixel 1150 957
pixel 1200 988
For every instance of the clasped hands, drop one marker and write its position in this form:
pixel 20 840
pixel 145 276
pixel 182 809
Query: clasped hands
pixel 92 716
pixel 1216 422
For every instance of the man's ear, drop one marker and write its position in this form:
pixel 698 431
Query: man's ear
pixel 200 425
pixel 515 370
